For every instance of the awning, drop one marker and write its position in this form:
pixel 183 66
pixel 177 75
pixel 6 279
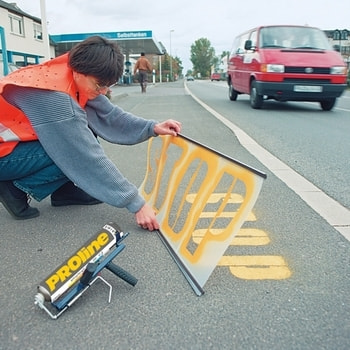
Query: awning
pixel 133 42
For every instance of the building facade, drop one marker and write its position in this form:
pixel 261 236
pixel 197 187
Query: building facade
pixel 22 40
pixel 340 40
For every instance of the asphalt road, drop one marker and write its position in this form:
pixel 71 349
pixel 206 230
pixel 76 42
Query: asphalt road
pixel 284 286
pixel 313 143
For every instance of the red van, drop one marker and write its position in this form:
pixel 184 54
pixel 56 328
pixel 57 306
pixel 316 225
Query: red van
pixel 286 63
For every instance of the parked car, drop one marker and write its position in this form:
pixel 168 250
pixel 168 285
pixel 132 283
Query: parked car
pixel 215 76
pixel 190 78
pixel 286 63
pixel 11 68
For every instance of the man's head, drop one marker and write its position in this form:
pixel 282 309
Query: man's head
pixel 99 58
pixel 142 53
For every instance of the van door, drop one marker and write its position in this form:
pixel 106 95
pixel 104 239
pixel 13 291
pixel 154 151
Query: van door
pixel 249 62
pixel 237 66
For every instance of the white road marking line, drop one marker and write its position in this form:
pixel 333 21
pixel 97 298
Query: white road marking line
pixel 333 212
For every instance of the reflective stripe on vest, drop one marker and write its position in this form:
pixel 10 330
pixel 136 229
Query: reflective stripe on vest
pixel 7 134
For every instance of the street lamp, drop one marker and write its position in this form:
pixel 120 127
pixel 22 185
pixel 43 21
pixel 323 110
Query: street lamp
pixel 171 60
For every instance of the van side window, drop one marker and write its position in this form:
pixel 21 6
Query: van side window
pixel 235 46
pixel 253 38
pixel 242 39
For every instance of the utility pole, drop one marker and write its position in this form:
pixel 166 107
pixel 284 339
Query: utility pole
pixel 46 38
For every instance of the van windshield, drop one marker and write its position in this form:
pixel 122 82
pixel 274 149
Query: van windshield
pixel 293 38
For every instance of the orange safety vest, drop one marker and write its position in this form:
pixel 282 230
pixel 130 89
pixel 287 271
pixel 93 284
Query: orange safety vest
pixel 53 75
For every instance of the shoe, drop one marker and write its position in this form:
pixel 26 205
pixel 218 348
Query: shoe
pixel 17 205
pixel 69 194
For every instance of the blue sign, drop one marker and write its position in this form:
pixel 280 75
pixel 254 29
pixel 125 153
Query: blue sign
pixel 143 34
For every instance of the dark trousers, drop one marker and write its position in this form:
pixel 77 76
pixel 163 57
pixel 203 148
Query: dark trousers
pixel 32 170
pixel 143 79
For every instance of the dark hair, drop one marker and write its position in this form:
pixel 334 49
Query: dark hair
pixel 142 53
pixel 98 57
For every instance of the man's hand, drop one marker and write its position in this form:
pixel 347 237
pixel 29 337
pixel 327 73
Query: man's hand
pixel 146 218
pixel 169 127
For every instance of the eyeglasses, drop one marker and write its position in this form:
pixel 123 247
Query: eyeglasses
pixel 100 88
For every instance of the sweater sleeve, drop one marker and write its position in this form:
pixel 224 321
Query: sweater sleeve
pixel 62 129
pixel 115 125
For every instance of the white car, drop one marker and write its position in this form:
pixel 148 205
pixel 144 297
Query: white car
pixel 11 68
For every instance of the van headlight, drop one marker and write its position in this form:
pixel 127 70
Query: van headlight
pixel 272 68
pixel 338 70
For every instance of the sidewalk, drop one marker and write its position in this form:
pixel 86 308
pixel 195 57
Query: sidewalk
pixel 163 89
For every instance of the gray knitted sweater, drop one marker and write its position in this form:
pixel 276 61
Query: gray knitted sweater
pixel 64 130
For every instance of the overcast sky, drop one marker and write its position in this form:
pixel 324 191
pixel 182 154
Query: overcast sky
pixel 217 20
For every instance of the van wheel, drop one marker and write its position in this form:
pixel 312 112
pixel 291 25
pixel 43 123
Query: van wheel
pixel 256 101
pixel 232 93
pixel 327 105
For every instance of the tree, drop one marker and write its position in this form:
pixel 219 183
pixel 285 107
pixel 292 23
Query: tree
pixel 177 66
pixel 225 54
pixel 216 61
pixel 202 56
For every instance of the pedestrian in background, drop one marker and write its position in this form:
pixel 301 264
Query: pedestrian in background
pixel 143 66
pixel 51 116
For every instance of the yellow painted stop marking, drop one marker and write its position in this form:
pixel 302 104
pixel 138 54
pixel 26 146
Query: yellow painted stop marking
pixel 245 236
pixel 257 267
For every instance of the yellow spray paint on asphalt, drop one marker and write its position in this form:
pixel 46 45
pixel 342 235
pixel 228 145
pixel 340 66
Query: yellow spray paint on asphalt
pixel 248 267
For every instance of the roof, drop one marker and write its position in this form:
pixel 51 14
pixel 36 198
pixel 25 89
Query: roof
pixel 131 42
pixel 12 7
